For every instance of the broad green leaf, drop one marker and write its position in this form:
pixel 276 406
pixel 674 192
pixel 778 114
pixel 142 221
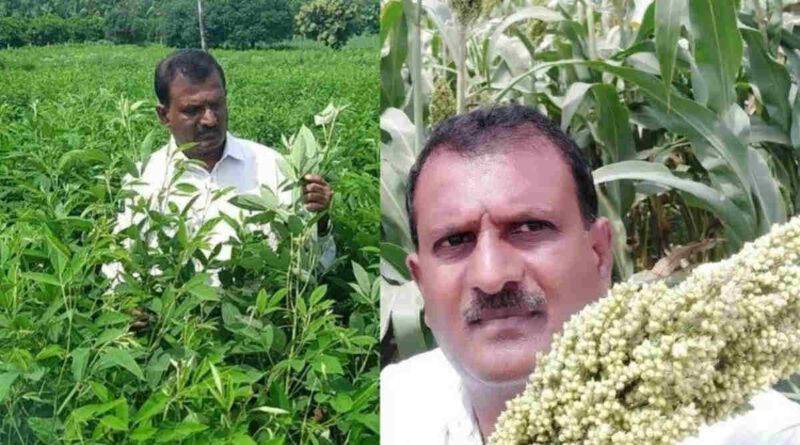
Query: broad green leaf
pixel 614 134
pixel 50 351
pixel 114 423
pixel 121 358
pixel 80 357
pixel 395 29
pixel 668 16
pixel 6 380
pixel 717 48
pixel 82 157
pixel 709 198
pixel 153 406
pixel 396 257
pixel 317 294
pixel 42 278
pixel 362 277
pixel 241 439
pixel 342 403
pixel 179 432
pixel 772 209
pixel 771 78
pixel 572 101
pixel 328 364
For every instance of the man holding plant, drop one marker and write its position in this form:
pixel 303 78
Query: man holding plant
pixel 503 214
pixel 192 104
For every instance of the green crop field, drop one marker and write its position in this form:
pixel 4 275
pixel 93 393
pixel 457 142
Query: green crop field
pixel 276 354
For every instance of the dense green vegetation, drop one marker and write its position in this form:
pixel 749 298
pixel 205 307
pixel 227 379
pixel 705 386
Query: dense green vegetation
pixel 277 354
pixel 228 24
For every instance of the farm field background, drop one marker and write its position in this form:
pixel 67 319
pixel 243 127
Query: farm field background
pixel 292 357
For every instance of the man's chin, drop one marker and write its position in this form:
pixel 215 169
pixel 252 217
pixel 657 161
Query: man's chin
pixel 504 349
pixel 502 366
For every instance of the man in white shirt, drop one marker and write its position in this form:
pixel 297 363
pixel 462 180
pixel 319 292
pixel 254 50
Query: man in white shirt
pixel 192 104
pixel 503 214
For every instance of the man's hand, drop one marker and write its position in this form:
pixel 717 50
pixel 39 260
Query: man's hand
pixel 317 193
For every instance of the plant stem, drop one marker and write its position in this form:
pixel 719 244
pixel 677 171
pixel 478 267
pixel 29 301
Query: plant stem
pixel 460 58
pixel 416 70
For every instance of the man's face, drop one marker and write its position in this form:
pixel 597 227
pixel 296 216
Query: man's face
pixel 504 256
pixel 197 112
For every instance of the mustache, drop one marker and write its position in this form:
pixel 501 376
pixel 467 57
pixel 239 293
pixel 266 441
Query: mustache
pixel 508 297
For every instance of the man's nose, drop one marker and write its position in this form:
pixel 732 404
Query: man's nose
pixel 209 118
pixel 494 264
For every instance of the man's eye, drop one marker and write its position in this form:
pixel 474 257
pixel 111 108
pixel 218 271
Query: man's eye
pixel 532 226
pixel 456 240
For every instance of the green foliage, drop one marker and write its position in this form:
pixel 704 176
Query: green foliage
pixel 237 24
pixel 331 22
pixel 276 354
pixel 127 22
pixel 46 30
pixel 12 32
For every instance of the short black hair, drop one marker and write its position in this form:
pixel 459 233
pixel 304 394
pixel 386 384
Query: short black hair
pixel 468 134
pixel 195 64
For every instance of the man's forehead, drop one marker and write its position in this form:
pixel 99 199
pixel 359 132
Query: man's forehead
pixel 514 178
pixel 184 87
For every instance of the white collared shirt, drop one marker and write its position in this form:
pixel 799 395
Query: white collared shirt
pixel 423 402
pixel 244 167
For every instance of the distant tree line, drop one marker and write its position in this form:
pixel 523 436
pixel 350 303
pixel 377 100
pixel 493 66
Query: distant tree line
pixel 228 23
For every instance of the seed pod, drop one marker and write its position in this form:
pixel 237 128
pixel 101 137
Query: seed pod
pixel 651 364
pixel 466 10
pixel 443 101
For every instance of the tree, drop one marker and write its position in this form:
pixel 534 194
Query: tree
pixel 331 22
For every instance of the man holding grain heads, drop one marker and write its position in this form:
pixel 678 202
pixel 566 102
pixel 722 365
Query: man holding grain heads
pixel 504 217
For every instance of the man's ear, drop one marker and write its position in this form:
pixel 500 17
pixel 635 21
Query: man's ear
pixel 161 111
pixel 412 262
pixel 602 238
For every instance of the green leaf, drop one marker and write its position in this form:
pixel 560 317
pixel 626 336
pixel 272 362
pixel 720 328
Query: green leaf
pixel 395 29
pixel 252 202
pixel 121 358
pixel 709 198
pixel 396 257
pixel 80 357
pixel 717 48
pixel 328 364
pixel 772 209
pixel 362 278
pixel 241 439
pixel 114 423
pixel 50 351
pixel 668 16
pixel 261 301
pixel 82 157
pixel 614 134
pixel 180 431
pixel 771 78
pixel 154 405
pixel 317 294
pixel 572 101
pixel 6 380
pixel 342 403
pixel 42 278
